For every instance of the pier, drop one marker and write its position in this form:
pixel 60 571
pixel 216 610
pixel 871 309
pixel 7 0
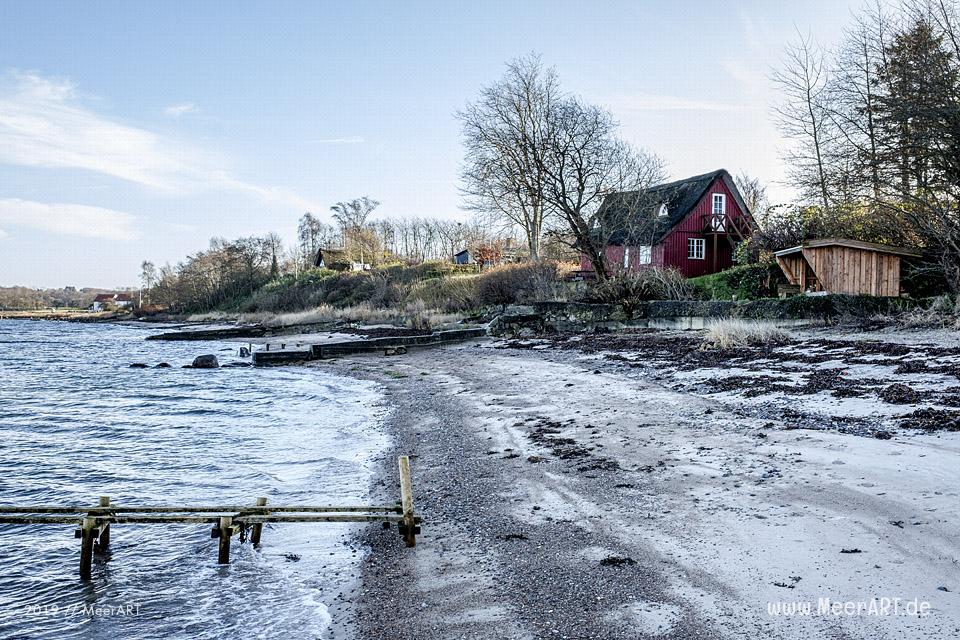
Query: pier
pixel 94 523
pixel 279 353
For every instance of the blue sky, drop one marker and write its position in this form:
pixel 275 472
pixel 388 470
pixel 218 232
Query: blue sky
pixel 133 130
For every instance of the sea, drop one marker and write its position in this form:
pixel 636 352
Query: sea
pixel 78 422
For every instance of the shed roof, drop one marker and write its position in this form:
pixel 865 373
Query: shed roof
pixel 680 198
pixel 852 244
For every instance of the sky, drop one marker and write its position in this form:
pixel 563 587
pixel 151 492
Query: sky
pixel 134 131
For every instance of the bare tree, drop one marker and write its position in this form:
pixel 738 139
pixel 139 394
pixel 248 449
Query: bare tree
pixel 586 162
pixel 802 80
pixel 353 217
pixel 506 145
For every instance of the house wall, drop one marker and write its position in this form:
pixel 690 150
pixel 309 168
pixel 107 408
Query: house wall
pixel 855 271
pixel 675 244
pixel 672 251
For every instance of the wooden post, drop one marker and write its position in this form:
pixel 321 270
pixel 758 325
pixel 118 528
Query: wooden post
pixel 406 502
pixel 87 530
pixel 104 540
pixel 226 529
pixel 258 527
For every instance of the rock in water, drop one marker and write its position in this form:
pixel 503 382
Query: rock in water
pixel 138 365
pixel 208 361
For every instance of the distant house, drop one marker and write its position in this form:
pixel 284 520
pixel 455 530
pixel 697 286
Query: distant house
pixel 336 258
pixel 463 257
pixel 692 225
pixel 112 300
pixel 838 265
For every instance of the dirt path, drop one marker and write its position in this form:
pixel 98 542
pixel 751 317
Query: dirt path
pixel 567 498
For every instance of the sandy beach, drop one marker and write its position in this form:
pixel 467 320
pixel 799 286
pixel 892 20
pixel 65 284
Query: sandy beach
pixel 570 494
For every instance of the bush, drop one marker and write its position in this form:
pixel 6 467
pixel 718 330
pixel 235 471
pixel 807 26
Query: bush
pixel 451 293
pixel 744 282
pixel 522 283
pixel 630 288
pixel 732 333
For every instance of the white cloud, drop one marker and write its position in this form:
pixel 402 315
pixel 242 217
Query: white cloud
pixel 68 219
pixel 651 102
pixel 3 234
pixel 177 110
pixel 44 124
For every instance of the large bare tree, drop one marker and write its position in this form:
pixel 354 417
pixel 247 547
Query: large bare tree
pixel 353 216
pixel 585 163
pixel 505 147
pixel 802 79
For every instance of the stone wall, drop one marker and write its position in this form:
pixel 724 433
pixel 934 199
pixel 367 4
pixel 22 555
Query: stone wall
pixel 550 317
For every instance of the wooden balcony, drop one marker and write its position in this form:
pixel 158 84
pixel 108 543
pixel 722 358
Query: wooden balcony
pixel 721 224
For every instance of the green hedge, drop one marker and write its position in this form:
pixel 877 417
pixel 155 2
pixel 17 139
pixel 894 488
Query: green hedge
pixel 744 282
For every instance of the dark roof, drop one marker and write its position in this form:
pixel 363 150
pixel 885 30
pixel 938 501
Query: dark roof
pixel 680 197
pixel 103 297
pixel 123 297
pixel 329 254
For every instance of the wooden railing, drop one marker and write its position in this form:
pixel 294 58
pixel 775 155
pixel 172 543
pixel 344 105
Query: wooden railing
pixel 94 522
pixel 722 223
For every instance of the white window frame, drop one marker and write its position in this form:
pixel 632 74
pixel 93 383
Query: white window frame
pixel 721 199
pixel 626 257
pixel 664 212
pixel 645 254
pixel 696 249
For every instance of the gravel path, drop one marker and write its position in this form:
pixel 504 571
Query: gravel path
pixel 566 498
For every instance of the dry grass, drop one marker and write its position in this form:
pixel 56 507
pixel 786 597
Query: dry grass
pixel 943 313
pixel 732 333
pixel 415 315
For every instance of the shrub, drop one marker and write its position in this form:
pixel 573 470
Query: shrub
pixel 628 289
pixel 731 333
pixel 451 293
pixel 744 282
pixel 418 316
pixel 521 283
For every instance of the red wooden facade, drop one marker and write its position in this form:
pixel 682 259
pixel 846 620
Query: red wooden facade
pixel 719 234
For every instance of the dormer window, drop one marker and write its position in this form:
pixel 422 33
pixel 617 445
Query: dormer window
pixel 719 204
pixel 663 211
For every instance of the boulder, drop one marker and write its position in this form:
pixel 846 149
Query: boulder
pixel 163 365
pixel 207 361
pixel 138 365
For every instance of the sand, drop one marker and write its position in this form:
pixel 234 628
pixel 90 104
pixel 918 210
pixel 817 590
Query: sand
pixel 566 495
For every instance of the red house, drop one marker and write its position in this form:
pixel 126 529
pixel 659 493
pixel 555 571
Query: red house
pixel 692 225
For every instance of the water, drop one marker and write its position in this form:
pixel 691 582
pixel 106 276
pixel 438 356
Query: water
pixel 76 423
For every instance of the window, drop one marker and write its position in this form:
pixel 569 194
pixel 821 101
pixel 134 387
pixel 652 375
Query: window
pixel 644 255
pixel 663 210
pixel 626 257
pixel 696 248
pixel 719 204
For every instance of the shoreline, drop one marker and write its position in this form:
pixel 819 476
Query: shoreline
pixel 564 494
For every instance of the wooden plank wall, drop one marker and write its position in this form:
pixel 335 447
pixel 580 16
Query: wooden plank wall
pixel 855 271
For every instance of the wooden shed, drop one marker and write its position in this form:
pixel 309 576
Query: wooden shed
pixel 837 265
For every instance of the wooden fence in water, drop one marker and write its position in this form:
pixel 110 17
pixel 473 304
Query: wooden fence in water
pixel 94 522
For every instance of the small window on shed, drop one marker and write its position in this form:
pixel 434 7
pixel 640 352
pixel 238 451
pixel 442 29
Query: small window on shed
pixel 626 257
pixel 696 248
pixel 664 212
pixel 644 254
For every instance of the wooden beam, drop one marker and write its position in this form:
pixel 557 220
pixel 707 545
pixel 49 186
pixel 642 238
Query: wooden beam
pixel 406 501
pixel 226 530
pixel 87 531
pixel 104 540
pixel 258 527
pixel 220 509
